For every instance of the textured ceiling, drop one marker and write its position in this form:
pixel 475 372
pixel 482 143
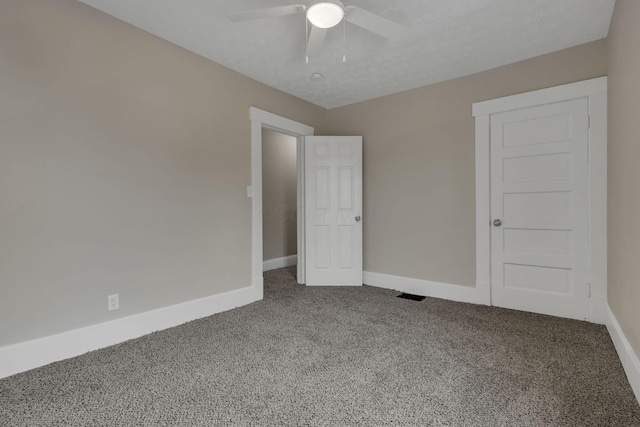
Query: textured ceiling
pixel 445 39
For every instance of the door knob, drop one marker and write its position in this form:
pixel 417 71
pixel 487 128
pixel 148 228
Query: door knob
pixel 497 222
pixel 358 218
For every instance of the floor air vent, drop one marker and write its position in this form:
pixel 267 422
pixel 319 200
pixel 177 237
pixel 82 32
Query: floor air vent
pixel 412 297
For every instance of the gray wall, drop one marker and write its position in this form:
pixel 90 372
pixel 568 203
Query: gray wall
pixel 279 195
pixel 419 154
pixel 124 162
pixel 624 168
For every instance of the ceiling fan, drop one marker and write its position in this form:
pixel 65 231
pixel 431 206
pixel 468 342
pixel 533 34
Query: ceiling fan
pixel 323 15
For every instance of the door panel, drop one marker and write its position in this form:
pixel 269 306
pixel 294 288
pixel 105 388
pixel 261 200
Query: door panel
pixel 538 205
pixel 539 193
pixel 333 195
pixel 537 278
pixel 540 130
pixel 537 241
pixel 322 184
pixel 527 167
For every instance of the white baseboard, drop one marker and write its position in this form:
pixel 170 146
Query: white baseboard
pixel 285 261
pixel 27 355
pixel 425 287
pixel 258 286
pixel 598 310
pixel 628 357
pixel 483 292
pixel 325 285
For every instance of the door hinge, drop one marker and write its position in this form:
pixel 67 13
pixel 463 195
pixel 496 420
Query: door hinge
pixel 589 290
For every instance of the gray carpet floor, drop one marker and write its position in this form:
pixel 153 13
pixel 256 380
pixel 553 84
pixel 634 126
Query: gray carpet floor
pixel 338 356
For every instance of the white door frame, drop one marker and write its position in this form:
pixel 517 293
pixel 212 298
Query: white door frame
pixel 595 90
pixel 261 119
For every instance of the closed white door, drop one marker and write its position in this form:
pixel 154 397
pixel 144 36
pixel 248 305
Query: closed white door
pixel 539 209
pixel 333 199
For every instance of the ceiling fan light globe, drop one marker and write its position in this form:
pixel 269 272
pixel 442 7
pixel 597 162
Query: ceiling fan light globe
pixel 325 14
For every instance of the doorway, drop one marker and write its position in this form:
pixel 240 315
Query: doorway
pixel 333 193
pixel 260 120
pixel 279 200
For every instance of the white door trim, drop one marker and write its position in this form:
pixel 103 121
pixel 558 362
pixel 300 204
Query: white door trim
pixel 595 90
pixel 263 119
pixel 567 92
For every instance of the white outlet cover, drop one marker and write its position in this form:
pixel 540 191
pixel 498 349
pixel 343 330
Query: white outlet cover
pixel 113 302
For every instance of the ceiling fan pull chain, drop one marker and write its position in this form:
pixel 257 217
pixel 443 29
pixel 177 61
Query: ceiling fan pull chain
pixel 344 40
pixel 306 37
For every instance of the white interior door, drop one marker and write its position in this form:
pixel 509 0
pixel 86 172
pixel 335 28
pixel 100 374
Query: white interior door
pixel 539 209
pixel 333 199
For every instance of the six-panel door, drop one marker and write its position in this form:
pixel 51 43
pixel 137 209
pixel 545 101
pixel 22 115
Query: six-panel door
pixel 333 199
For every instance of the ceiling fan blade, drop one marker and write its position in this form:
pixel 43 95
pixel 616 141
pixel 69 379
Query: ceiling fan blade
pixel 266 13
pixel 316 40
pixel 374 23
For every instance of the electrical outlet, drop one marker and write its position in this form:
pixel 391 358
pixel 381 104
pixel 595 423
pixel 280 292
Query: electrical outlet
pixel 113 302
